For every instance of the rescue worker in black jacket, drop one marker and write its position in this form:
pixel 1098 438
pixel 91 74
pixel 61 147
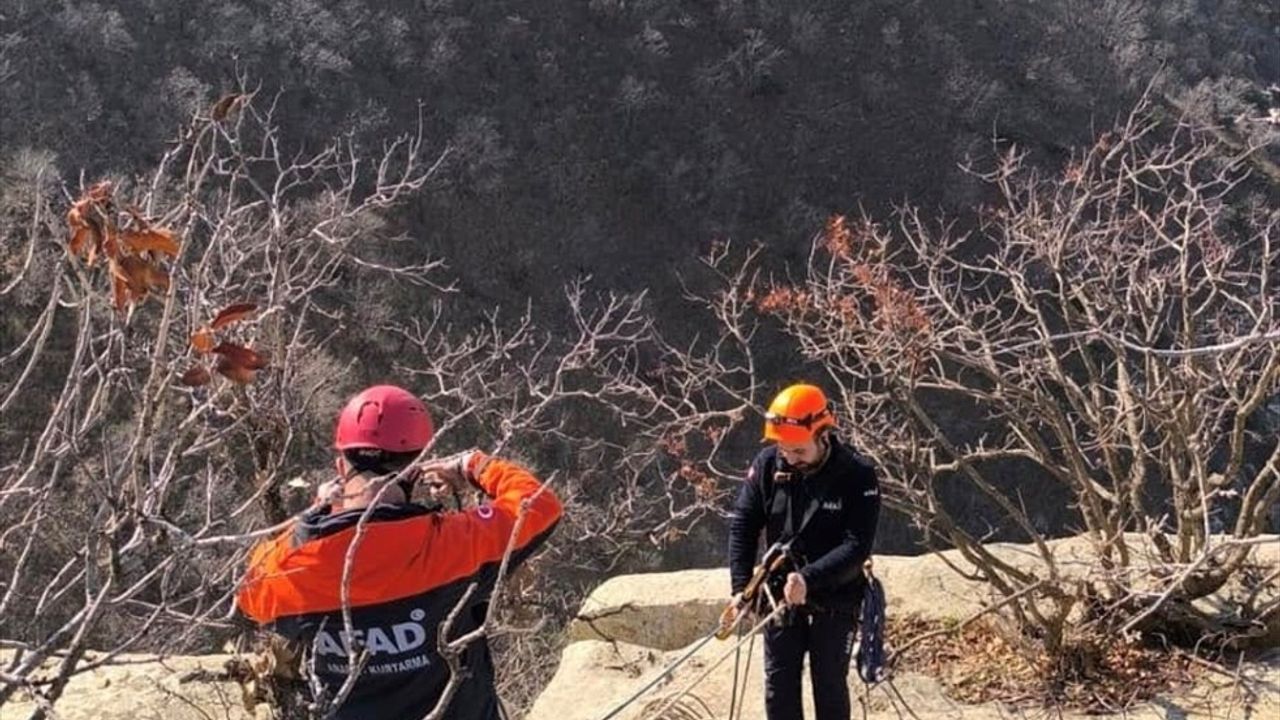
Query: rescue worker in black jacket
pixel 812 491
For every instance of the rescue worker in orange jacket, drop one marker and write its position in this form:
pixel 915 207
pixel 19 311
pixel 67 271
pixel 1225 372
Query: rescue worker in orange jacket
pixel 411 566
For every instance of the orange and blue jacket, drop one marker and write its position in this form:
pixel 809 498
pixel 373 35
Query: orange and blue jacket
pixel 409 570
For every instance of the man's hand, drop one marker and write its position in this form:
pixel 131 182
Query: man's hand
pixel 736 610
pixel 451 470
pixel 796 590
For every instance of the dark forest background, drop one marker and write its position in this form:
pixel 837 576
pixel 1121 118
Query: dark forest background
pixel 620 139
pixel 617 138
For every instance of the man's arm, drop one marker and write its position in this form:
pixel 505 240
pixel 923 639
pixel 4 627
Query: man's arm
pixel 264 561
pixel 464 542
pixel 744 528
pixel 400 558
pixel 845 561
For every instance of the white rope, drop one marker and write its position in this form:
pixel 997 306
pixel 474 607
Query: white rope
pixel 688 654
pixel 759 626
pixel 669 669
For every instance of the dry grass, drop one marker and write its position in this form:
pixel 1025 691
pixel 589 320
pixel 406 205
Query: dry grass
pixel 978 664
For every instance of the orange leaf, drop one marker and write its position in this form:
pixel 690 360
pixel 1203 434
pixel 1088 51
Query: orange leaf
pixel 119 291
pixel 232 313
pixel 235 372
pixel 83 225
pixel 133 278
pixel 109 246
pixel 242 356
pixel 85 238
pixel 155 239
pixel 196 376
pixel 75 219
pixel 133 270
pixel 202 340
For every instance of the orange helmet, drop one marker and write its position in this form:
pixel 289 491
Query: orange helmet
pixel 797 414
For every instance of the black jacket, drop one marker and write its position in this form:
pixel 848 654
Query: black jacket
pixel 838 538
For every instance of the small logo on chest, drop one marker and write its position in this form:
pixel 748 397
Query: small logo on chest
pixel 832 505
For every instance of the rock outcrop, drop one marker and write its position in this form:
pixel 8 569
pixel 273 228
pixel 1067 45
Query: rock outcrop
pixel 632 627
pixel 145 687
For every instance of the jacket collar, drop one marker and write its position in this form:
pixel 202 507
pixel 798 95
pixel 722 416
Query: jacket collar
pixel 320 522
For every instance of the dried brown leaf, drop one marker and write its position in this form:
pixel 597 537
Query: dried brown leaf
pixel 83 225
pixel 86 239
pixel 133 277
pixel 232 314
pixel 134 271
pixel 154 239
pixel 235 372
pixel 196 376
pixel 240 355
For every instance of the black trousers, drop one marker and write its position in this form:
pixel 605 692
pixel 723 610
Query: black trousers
pixel 828 638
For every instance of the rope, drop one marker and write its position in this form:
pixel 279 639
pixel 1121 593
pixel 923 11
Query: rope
pixel 746 674
pixel 710 668
pixel 685 657
pixel 733 689
pixel 737 700
pixel 870 660
pixel 669 669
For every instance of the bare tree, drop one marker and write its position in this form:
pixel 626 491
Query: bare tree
pixel 1110 334
pixel 128 483
pixel 178 348
pixel 615 410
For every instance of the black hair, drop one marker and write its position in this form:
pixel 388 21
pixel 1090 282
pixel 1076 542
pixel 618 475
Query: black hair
pixel 383 462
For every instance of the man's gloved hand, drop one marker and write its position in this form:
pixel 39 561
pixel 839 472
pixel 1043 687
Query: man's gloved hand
pixel 457 471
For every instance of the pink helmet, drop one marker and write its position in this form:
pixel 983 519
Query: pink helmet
pixel 384 417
